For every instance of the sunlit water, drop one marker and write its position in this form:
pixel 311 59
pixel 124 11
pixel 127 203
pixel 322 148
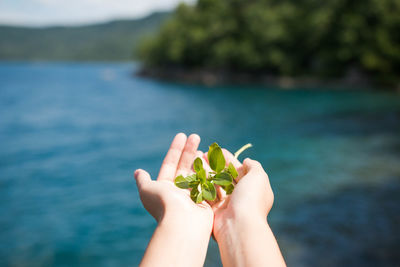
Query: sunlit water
pixel 71 136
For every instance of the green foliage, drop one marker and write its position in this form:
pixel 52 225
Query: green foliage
pixel 223 178
pixel 297 38
pixel 203 187
pixel 216 158
pixel 232 171
pixel 184 182
pixel 106 41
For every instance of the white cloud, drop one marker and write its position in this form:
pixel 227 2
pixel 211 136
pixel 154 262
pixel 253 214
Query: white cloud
pixel 72 12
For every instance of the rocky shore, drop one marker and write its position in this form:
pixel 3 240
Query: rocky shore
pixel 353 79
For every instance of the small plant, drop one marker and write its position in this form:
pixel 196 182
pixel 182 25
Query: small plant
pixel 203 187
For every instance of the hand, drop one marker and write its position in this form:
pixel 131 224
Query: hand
pixel 161 198
pixel 240 219
pixel 184 227
pixel 252 198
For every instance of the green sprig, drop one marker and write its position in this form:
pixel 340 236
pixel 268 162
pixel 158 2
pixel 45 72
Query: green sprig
pixel 203 187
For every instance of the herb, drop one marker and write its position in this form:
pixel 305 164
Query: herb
pixel 203 187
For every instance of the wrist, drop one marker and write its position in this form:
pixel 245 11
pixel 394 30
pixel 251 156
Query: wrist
pixel 248 242
pixel 178 235
pixel 187 224
pixel 239 224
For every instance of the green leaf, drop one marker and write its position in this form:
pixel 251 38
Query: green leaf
pixel 208 191
pixel 232 170
pixel 193 184
pixel 197 165
pixel 192 177
pixel 199 198
pixel 229 189
pixel 203 188
pixel 223 179
pixel 185 182
pixel 182 182
pixel 216 158
pixel 194 193
pixel 201 175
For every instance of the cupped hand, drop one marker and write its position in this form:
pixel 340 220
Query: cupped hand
pixel 251 199
pixel 162 199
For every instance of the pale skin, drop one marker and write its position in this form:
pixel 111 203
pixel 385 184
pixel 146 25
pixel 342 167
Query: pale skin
pixel 184 228
pixel 238 221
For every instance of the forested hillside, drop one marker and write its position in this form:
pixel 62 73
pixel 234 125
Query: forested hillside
pixel 302 38
pixel 115 40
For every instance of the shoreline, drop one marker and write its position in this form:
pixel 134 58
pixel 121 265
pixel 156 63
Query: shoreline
pixel 207 77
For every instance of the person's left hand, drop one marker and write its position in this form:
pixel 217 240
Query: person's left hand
pixel 166 202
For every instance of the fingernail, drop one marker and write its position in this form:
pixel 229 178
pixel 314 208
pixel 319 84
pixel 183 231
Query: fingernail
pixel 194 135
pixel 180 134
pixel 246 159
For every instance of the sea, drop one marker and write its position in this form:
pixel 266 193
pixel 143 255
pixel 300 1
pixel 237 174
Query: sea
pixel 72 134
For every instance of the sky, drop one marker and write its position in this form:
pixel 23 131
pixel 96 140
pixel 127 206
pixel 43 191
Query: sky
pixel 77 12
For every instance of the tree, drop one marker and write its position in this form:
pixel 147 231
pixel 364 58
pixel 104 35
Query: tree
pixel 286 37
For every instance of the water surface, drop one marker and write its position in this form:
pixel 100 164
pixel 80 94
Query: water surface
pixel 72 134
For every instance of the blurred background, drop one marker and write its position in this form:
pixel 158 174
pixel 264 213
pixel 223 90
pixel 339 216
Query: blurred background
pixel 314 86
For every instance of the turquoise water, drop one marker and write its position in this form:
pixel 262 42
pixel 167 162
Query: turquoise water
pixel 72 134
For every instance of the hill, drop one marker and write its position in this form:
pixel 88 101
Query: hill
pixel 266 39
pixel 107 41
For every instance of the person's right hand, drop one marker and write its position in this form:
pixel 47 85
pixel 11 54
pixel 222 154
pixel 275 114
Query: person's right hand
pixel 252 198
pixel 240 219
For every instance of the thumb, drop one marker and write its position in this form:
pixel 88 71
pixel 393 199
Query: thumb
pixel 250 164
pixel 142 177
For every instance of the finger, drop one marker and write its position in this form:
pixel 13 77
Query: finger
pixel 205 157
pixel 249 166
pixel 142 178
pixel 252 165
pixel 171 160
pixel 221 192
pixel 220 202
pixel 188 155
